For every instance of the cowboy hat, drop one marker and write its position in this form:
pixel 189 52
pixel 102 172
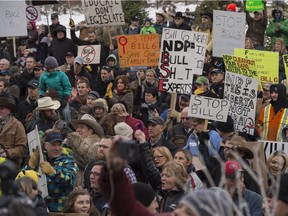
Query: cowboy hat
pixel 8 103
pixel 238 143
pixel 46 103
pixel 163 14
pixel 91 122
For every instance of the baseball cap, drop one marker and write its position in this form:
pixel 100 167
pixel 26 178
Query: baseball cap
pixel 156 121
pixel 216 70
pixel 231 168
pixel 5 72
pixel 201 80
pixel 69 54
pixel 38 66
pixel 54 16
pixel 79 60
pixel 53 137
pixel 34 84
pixel 266 86
pixel 135 18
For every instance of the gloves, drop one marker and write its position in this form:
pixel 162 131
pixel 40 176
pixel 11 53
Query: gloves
pixel 72 23
pixel 88 68
pixel 64 101
pixel 47 168
pixel 34 159
pixel 109 92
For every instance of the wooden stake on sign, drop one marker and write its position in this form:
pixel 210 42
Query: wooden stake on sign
pixel 172 107
pixel 14 47
pixel 206 125
pixel 69 6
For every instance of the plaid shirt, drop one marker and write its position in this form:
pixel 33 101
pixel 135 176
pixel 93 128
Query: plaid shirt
pixel 60 184
pixel 130 175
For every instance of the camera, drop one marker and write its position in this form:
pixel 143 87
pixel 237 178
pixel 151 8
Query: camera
pixel 128 149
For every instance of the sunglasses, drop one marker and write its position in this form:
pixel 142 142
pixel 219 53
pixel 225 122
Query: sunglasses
pixel 177 18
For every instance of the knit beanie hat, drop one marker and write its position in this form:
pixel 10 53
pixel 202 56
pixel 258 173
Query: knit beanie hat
pixel 29 173
pixel 231 7
pixel 144 193
pixel 209 202
pixel 123 129
pixel 51 62
pixel 227 126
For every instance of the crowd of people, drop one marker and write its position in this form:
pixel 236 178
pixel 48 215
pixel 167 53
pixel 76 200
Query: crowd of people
pixel 168 162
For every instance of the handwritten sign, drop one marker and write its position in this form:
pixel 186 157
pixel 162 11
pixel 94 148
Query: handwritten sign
pixel 285 62
pixel 266 63
pixel 12 14
pixel 241 92
pixel 33 143
pixel 208 108
pixel 138 50
pixel 90 53
pixel 228 32
pixel 254 5
pixel 103 13
pixel 182 55
pixel 272 146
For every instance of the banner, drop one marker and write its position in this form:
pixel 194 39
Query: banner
pixel 33 144
pixel 90 53
pixel 228 32
pixel 208 108
pixel 267 63
pixel 272 146
pixel 285 62
pixel 241 93
pixel 254 5
pixel 13 13
pixel 138 50
pixel 103 13
pixel 182 55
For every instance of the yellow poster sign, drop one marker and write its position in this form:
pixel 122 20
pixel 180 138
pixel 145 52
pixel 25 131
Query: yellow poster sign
pixel 138 50
pixel 285 62
pixel 267 63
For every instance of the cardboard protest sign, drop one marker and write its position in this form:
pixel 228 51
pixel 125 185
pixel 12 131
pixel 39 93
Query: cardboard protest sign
pixel 138 50
pixel 103 13
pixel 239 65
pixel 33 13
pixel 90 53
pixel 254 5
pixel 182 55
pixel 228 32
pixel 267 63
pixel 13 13
pixel 33 143
pixel 272 146
pixel 241 92
pixel 208 108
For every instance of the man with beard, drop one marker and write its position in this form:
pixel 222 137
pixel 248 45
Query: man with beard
pixel 206 27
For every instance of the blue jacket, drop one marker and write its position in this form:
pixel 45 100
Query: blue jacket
pixel 193 143
pixel 57 80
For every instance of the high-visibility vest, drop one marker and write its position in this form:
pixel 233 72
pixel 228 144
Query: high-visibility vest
pixel 282 124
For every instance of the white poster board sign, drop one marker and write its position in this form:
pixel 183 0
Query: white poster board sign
pixel 179 61
pixel 12 15
pixel 208 108
pixel 241 92
pixel 103 13
pixel 228 32
pixel 90 53
pixel 272 146
pixel 33 143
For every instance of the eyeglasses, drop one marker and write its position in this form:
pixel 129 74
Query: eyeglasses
pixel 158 157
pixel 177 18
pixel 94 173
pixel 205 17
pixel 102 146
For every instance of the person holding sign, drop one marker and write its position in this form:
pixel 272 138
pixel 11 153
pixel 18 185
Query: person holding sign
pixel 203 88
pixel 274 117
pixel 257 26
pixel 278 27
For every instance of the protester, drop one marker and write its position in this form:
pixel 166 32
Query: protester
pixel 277 164
pixel 217 76
pixel 179 22
pixel 161 18
pixel 67 67
pixel 91 98
pixel 281 208
pixel 133 27
pixel 99 109
pixel 280 47
pixel 249 43
pixel 203 88
pixel 148 27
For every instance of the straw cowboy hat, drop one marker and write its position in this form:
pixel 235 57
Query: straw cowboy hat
pixel 91 122
pixel 8 103
pixel 46 103
pixel 163 14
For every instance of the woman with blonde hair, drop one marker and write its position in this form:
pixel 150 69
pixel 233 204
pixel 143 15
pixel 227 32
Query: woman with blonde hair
pixel 79 201
pixel 249 43
pixel 277 163
pixel 280 47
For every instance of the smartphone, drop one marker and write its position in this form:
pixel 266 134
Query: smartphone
pixel 128 149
